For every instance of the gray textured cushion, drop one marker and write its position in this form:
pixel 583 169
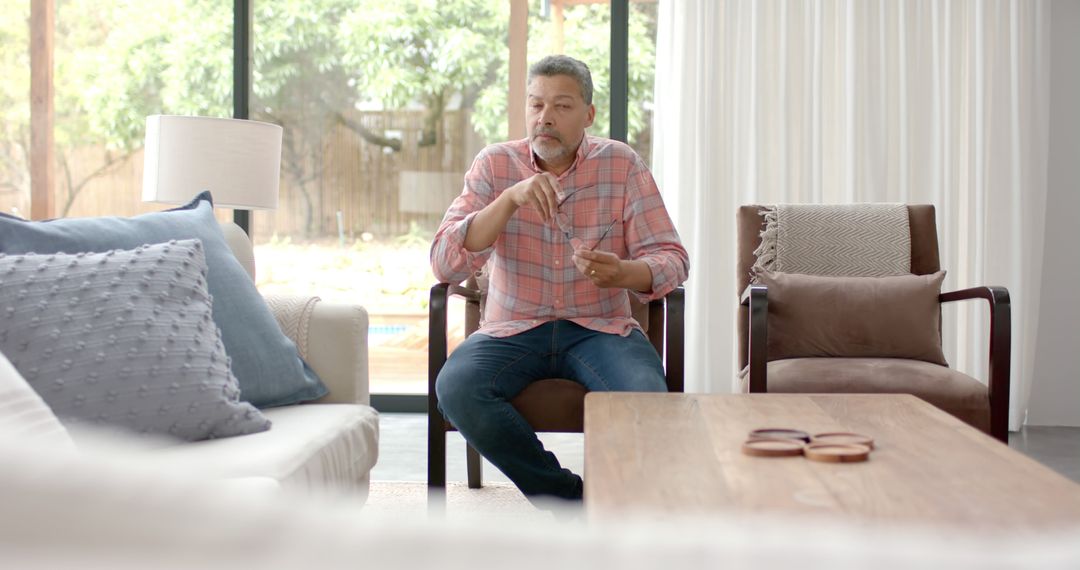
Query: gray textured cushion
pixel 123 338
pixel 265 362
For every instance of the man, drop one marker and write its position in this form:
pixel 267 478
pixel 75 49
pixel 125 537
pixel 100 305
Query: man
pixel 571 223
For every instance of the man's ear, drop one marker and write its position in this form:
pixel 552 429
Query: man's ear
pixel 592 115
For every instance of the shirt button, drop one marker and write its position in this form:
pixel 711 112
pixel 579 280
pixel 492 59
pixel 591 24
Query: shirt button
pixel 556 262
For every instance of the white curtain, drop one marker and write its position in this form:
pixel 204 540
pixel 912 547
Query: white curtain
pixel 935 101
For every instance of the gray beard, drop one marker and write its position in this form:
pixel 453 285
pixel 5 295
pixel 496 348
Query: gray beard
pixel 549 153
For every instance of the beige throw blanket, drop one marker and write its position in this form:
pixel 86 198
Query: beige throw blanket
pixel 869 240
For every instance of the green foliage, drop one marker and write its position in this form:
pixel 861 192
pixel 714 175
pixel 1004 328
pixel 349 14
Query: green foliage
pixel 14 62
pixel 406 52
pixel 14 95
pixel 586 36
pixel 118 61
pixel 415 237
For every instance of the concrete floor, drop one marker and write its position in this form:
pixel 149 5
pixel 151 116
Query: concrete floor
pixel 1055 447
pixel 403 450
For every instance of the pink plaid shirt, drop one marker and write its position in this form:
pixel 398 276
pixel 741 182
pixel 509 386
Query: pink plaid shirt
pixel 532 278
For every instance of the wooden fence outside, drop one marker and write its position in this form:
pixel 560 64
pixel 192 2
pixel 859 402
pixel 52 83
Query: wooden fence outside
pixel 342 172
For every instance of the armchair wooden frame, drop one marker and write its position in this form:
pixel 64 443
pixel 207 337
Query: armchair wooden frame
pixel 665 331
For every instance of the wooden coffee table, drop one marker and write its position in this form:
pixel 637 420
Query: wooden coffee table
pixel 681 453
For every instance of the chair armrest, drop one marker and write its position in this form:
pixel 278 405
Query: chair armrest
pixel 756 296
pixel 437 341
pixel 1000 351
pixel 674 365
pixel 333 339
pixel 437 334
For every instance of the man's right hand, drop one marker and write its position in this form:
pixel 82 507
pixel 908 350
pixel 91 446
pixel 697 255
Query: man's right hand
pixel 539 190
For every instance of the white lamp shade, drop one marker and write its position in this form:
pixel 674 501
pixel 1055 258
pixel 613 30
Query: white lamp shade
pixel 238 161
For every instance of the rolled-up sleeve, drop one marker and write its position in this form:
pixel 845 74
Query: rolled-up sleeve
pixel 450 261
pixel 651 236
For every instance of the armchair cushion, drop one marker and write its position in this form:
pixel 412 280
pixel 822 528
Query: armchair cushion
pixel 955 392
pixel 553 405
pixel 887 317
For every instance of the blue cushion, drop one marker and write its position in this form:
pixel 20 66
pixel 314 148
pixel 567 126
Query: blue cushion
pixel 264 360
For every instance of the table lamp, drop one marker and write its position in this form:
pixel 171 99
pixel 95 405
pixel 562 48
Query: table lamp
pixel 237 160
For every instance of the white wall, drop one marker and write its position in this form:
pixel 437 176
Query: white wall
pixel 1055 390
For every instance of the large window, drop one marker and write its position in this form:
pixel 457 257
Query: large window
pixel 384 104
pixel 15 107
pixel 582 29
pixel 113 63
pixel 642 77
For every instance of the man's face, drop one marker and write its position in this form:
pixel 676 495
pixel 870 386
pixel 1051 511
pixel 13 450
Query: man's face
pixel 556 117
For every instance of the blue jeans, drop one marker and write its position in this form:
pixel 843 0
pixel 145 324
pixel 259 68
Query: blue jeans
pixel 484 373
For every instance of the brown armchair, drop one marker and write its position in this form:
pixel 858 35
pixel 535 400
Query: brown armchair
pixel 985 407
pixel 552 405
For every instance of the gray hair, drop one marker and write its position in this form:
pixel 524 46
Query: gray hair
pixel 565 65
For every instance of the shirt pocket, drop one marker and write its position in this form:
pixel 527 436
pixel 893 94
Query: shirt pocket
pixel 599 227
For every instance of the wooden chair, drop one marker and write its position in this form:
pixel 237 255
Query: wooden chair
pixel 551 405
pixel 983 406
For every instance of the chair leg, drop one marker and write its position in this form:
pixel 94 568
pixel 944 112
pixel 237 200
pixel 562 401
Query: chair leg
pixel 475 467
pixel 436 463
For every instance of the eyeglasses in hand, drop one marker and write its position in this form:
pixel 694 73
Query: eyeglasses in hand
pixel 563 220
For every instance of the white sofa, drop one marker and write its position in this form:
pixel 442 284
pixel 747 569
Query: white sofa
pixel 327 445
pixel 63 510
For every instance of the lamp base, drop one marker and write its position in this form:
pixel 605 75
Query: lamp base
pixel 242 218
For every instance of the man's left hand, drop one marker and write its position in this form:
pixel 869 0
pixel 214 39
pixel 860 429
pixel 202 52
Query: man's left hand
pixel 603 268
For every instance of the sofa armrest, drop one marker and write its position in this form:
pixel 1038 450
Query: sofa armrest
pixel 332 339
